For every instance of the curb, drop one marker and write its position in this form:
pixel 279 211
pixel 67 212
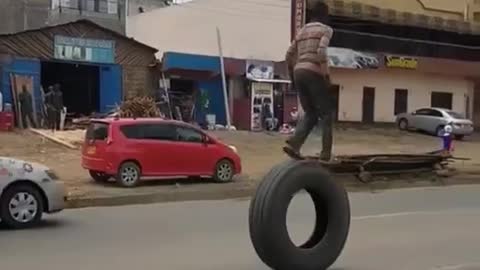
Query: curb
pixel 246 192
pixel 158 197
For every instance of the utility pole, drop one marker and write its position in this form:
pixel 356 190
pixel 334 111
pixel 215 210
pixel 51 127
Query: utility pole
pixel 224 81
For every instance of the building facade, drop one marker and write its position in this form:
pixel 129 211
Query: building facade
pixel 24 15
pixel 386 62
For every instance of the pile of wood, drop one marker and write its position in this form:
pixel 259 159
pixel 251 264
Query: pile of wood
pixel 139 107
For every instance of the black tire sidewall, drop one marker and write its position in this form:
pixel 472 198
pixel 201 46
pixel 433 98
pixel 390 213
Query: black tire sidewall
pixel 217 167
pixel 8 194
pixel 126 165
pixel 273 242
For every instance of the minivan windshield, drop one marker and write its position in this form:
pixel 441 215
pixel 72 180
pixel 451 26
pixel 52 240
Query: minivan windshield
pixel 97 131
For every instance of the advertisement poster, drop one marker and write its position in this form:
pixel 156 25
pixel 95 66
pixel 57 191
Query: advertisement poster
pixel 17 82
pixel 259 70
pixel 348 58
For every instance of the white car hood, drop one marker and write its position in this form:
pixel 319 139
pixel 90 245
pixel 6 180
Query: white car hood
pixel 19 169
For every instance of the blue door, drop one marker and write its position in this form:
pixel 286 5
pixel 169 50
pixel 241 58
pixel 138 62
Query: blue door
pixel 110 87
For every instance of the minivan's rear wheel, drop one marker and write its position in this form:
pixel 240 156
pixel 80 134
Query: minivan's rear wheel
pixel 224 171
pixel 99 177
pixel 129 174
pixel 21 207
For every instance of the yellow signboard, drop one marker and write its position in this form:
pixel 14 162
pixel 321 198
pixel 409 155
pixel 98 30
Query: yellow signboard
pixel 400 62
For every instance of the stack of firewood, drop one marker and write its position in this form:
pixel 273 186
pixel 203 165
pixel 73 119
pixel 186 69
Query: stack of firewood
pixel 139 107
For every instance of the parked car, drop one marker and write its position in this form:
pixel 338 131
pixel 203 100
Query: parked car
pixel 433 120
pixel 131 150
pixel 27 190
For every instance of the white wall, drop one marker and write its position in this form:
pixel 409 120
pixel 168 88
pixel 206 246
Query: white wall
pixel 419 85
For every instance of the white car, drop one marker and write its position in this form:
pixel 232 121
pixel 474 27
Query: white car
pixel 27 190
pixel 433 120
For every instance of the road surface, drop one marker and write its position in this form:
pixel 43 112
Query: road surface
pixel 424 229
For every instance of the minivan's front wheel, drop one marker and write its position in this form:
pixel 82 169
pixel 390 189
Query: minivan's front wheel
pixel 129 174
pixel 21 206
pixel 224 171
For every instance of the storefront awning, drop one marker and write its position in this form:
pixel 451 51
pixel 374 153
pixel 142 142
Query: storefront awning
pixel 195 62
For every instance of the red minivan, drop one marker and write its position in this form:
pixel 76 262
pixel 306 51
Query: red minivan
pixel 131 150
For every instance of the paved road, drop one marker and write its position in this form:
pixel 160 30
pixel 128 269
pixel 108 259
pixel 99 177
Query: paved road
pixel 422 229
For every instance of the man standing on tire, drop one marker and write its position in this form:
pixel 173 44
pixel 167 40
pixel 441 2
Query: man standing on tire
pixel 307 62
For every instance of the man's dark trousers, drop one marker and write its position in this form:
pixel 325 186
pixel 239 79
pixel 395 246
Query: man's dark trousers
pixel 28 114
pixel 317 102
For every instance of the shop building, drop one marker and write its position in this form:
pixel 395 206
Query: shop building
pixel 385 62
pixel 96 67
pixel 377 95
pixel 195 87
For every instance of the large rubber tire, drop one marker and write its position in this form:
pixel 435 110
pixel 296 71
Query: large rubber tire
pixel 268 211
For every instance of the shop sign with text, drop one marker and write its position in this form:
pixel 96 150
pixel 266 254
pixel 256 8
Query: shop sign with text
pixel 84 50
pixel 392 61
pixel 297 17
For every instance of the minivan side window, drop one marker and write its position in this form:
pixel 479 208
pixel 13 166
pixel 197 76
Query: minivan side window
pixel 97 131
pixel 161 132
pixel 185 134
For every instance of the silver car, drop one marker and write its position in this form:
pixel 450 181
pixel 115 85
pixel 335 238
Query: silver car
pixel 433 120
pixel 27 190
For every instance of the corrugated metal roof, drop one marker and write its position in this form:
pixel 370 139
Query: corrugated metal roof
pixel 257 29
pixel 82 21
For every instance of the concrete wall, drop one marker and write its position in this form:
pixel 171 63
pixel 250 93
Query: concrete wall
pixel 19 15
pixel 419 85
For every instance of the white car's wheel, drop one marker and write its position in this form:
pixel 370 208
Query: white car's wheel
pixel 403 124
pixel 224 171
pixel 21 206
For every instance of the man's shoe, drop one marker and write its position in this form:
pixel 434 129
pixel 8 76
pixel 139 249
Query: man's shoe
pixel 291 152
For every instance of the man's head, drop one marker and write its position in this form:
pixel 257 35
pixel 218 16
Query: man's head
pixel 50 88
pixel 24 88
pixel 56 87
pixel 318 10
